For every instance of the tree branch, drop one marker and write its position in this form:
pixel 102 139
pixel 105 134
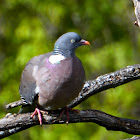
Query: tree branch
pixel 133 138
pixel 104 82
pixel 18 122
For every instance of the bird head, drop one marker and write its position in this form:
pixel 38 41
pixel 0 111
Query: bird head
pixel 67 43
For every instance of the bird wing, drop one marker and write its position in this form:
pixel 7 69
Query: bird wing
pixel 27 86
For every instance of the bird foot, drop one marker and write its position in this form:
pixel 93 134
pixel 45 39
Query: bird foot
pixel 67 110
pixel 37 111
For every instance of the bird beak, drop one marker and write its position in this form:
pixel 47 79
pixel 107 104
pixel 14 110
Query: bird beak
pixel 84 42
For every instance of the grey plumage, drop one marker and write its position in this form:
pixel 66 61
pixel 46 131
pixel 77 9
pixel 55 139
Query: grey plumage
pixel 51 86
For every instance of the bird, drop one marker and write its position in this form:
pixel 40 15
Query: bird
pixel 52 80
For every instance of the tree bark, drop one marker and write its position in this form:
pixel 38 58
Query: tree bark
pixel 17 122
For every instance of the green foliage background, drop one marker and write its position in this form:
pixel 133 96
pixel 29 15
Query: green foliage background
pixel 30 27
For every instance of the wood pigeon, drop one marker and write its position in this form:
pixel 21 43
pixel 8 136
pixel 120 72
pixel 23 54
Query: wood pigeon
pixel 51 81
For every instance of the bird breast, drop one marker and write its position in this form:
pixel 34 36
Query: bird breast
pixel 59 83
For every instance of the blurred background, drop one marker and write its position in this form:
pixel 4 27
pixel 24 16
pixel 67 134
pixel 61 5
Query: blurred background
pixel 30 27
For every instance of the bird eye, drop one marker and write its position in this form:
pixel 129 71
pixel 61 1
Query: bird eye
pixel 72 40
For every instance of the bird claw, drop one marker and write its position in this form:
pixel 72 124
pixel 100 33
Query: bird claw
pixel 67 110
pixel 37 111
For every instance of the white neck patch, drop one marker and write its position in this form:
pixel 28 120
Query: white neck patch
pixel 56 58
